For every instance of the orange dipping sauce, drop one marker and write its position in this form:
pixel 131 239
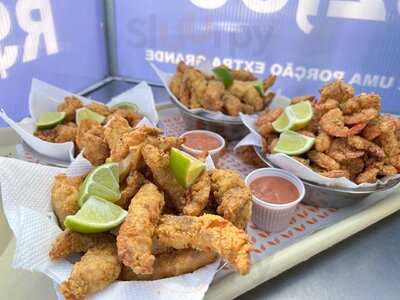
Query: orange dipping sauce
pixel 201 141
pixel 275 190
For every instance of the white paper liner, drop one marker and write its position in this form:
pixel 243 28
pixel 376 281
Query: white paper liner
pixel 26 190
pixel 205 67
pixel 44 97
pixel 287 163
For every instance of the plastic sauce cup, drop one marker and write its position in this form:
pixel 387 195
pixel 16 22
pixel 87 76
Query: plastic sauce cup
pixel 274 217
pixel 215 153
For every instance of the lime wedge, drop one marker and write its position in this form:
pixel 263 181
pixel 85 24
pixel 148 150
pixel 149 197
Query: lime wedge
pixel 85 113
pixel 50 119
pixel 283 123
pixel 300 114
pixel 293 143
pixel 102 182
pixel 258 84
pixel 96 215
pixel 126 105
pixel 223 74
pixel 185 168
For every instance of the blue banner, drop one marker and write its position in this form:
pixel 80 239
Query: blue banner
pixel 60 42
pixel 306 42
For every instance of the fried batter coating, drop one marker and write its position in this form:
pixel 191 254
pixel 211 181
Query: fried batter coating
pixel 198 195
pixel 269 82
pixel 323 142
pixel 232 104
pixel 97 269
pixel 69 242
pixel 269 115
pixel 158 162
pixel 64 196
pixel 337 90
pixel 231 194
pixel 206 233
pixel 99 108
pixel 324 161
pixel 90 140
pixel 368 176
pixel 360 143
pixel 132 117
pixel 361 102
pixel 364 116
pixel 340 150
pixel 48 135
pixel 173 263
pixel 299 99
pixel 175 85
pixel 248 155
pixel 336 174
pixel 69 106
pixel 332 122
pixel 243 75
pixel 134 182
pixel 134 240
pixel 65 133
pixel 114 129
pixel 212 99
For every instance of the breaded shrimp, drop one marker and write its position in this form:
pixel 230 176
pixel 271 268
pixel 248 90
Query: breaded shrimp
pixel 198 196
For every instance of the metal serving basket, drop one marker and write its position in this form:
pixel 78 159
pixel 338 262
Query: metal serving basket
pixel 323 196
pixel 231 130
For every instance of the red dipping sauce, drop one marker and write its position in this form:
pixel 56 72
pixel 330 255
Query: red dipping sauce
pixel 201 141
pixel 275 190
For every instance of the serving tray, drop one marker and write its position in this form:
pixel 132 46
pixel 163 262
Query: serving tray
pixel 312 230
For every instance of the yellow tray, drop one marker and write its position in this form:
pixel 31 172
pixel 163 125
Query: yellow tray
pixel 19 284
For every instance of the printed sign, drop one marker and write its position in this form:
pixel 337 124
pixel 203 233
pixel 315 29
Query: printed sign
pixel 306 42
pixel 60 42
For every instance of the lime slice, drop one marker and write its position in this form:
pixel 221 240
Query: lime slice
pixel 223 74
pixel 283 123
pixel 102 182
pixel 300 114
pixel 185 168
pixel 50 119
pixel 258 84
pixel 96 215
pixel 126 105
pixel 293 143
pixel 85 113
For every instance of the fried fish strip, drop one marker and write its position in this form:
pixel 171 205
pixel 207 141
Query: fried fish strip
pixel 173 263
pixel 198 195
pixel 134 182
pixel 206 233
pixel 231 194
pixel 97 269
pixel 69 242
pixel 134 240
pixel 114 129
pixel 64 196
pixel 158 162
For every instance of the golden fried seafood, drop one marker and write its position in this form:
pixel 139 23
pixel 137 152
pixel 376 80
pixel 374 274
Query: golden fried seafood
pixel 196 89
pixel 299 99
pixel 134 240
pixel 99 108
pixel 198 196
pixel 324 161
pixel 69 242
pixel 158 162
pixel 332 122
pixel 134 182
pixel 114 129
pixel 90 140
pixel 248 155
pixel 206 233
pixel 97 269
pixel 132 117
pixel 232 196
pixel 341 151
pixel 69 106
pixel 172 263
pixel 337 90
pixel 360 143
pixel 336 173
pixel 64 196
pixel 65 133
pixel 323 142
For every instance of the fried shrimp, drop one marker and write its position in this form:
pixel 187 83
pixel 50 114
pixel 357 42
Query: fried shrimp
pixel 322 142
pixel 206 233
pixel 333 123
pixel 336 174
pixel 337 90
pixel 363 116
pixel 360 143
pixel 341 151
pixel 323 160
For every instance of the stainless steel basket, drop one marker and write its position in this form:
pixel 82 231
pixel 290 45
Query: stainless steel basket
pixel 231 130
pixel 323 196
